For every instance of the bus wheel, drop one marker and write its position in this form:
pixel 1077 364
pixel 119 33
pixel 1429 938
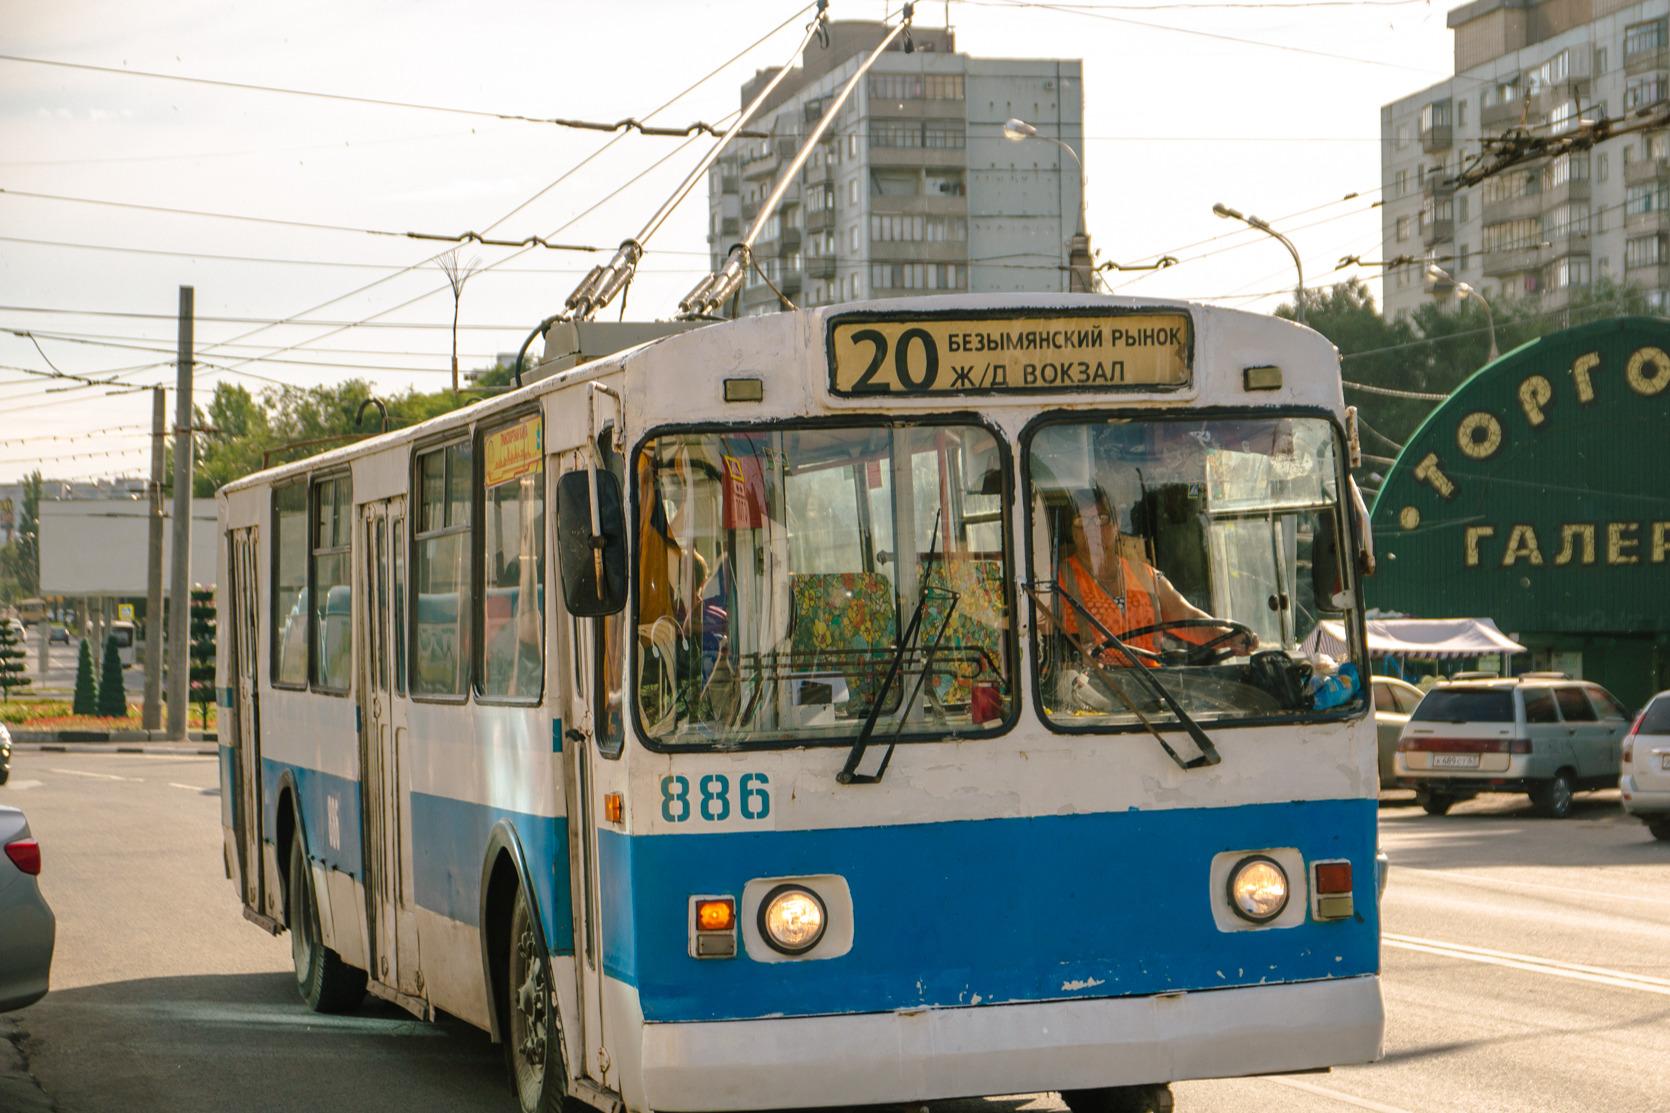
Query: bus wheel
pixel 531 1044
pixel 325 982
pixel 1120 1099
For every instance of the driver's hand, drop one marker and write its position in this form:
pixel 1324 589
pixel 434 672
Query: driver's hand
pixel 1244 644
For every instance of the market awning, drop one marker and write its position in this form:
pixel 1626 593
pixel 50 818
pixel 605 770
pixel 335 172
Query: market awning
pixel 1417 637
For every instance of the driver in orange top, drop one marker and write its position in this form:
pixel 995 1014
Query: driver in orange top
pixel 1125 594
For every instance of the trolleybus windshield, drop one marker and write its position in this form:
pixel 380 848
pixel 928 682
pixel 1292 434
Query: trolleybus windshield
pixel 777 570
pixel 1208 549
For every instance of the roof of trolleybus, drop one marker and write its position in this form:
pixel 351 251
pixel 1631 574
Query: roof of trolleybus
pixel 682 377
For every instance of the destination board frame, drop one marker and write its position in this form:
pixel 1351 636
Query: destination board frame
pixel 1013 384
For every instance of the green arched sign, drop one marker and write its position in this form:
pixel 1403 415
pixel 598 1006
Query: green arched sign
pixel 1538 494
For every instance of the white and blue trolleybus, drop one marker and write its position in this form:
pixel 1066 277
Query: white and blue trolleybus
pixel 884 702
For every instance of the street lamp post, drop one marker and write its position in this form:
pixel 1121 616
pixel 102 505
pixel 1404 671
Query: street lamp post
pixel 1081 275
pixel 1438 274
pixel 1251 221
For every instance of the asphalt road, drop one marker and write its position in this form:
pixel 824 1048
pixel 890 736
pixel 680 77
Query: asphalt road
pixel 1527 967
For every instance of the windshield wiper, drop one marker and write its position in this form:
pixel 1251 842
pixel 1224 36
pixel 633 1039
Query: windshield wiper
pixel 849 774
pixel 1208 752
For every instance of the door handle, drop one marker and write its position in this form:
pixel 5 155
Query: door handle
pixel 574 734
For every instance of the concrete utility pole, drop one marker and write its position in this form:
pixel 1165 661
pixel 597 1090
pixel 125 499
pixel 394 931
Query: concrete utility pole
pixel 179 594
pixel 153 566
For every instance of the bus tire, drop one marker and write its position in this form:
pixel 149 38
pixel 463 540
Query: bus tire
pixel 532 1044
pixel 1154 1098
pixel 323 980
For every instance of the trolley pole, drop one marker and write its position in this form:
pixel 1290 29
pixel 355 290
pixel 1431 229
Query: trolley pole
pixel 179 600
pixel 153 565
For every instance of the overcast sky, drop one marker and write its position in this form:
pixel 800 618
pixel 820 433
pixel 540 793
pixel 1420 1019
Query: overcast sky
pixel 1271 108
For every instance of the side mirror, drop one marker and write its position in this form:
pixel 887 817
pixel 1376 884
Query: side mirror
pixel 591 543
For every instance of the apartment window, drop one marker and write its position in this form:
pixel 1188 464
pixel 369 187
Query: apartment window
pixel 1601 167
pixel 441 571
pixel 1461 257
pixel 1420 175
pixel 1567 220
pixel 943 183
pixel 852 145
pixel 1512 235
pixel 1644 251
pixel 512 555
pixel 289 580
pixel 907 86
pixel 1562 117
pixel 1643 91
pixel 1402 228
pixel 1551 73
pixel 331 616
pixel 1435 115
pixel 916 276
pixel 905 227
pixel 1568 168
pixel 1461 113
pixel 852 239
pixel 1642 199
pixel 1510 186
pixel 1643 38
pixel 1400 183
pixel 1568 273
pixel 1502 93
pixel 1657 145
pixel 852 192
pixel 1600 60
pixel 1402 136
pixel 916 134
pixel 1461 207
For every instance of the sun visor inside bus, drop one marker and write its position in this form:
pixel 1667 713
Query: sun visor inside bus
pixel 592 557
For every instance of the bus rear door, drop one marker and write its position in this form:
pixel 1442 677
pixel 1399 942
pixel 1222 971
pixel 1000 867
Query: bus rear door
pixel 390 914
pixel 246 720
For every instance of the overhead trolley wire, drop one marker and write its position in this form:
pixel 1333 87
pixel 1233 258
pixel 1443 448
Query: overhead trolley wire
pixel 628 124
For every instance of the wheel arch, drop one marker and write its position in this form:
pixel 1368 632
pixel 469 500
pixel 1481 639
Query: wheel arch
pixel 504 872
pixel 287 827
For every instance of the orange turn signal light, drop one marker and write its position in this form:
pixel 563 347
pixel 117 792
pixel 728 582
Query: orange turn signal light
pixel 614 807
pixel 1333 877
pixel 716 914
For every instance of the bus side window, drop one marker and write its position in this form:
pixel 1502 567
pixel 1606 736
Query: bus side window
pixel 441 572
pixel 289 585
pixel 512 553
pixel 330 621
pixel 397 539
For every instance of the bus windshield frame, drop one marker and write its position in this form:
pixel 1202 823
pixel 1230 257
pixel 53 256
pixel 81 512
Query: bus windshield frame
pixel 1214 678
pixel 960 678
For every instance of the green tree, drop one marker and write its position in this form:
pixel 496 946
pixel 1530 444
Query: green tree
pixel 113 695
pixel 14 660
pixel 202 676
pixel 86 690
pixel 29 537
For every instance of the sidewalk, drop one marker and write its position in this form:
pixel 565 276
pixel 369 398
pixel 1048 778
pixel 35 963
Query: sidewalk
pixel 112 741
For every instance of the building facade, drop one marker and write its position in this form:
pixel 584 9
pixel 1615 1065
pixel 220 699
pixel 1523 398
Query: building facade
pixel 914 188
pixel 1548 228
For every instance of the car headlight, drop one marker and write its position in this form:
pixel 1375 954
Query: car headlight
pixel 792 919
pixel 1258 889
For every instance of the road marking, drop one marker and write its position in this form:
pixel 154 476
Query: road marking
pixel 97 776
pixel 24 786
pixel 279 1016
pixel 1485 881
pixel 1597 975
pixel 192 788
pixel 1336 1095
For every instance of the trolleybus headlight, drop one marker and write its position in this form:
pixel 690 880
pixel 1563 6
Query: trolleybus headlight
pixel 792 919
pixel 1258 889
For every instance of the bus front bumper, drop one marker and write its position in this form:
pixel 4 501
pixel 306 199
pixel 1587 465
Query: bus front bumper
pixel 1009 1049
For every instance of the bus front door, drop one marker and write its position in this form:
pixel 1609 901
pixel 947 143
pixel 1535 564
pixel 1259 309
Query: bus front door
pixel 246 725
pixel 584 682
pixel 390 917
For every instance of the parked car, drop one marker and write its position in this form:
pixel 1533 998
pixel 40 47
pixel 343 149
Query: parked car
pixel 1394 699
pixel 1541 733
pixel 26 956
pixel 5 754
pixel 1644 782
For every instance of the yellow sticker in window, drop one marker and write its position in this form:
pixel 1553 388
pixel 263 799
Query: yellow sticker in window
pixel 514 451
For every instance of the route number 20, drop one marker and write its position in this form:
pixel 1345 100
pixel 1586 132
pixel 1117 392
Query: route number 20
pixel 713 797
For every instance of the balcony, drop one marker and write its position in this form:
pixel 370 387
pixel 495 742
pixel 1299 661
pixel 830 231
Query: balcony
pixel 1438 137
pixel 820 266
pixel 1642 61
pixel 820 220
pixel 788 241
pixel 761 167
pixel 1513 208
pixel 1434 232
pixel 1572 189
pixel 1640 224
pixel 1649 276
pixel 930 157
pixel 1567 242
pixel 1437 186
pixel 1517 260
pixel 1645 171
pixel 1504 115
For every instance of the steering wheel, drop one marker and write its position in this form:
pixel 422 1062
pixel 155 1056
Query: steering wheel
pixel 1206 653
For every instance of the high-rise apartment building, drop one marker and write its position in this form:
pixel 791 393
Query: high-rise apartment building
pixel 914 188
pixel 1547 228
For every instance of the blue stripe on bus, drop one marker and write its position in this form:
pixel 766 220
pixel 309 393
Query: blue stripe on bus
pixel 987 911
pixel 320 793
pixel 449 839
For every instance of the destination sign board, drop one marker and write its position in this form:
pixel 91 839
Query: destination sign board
pixel 915 356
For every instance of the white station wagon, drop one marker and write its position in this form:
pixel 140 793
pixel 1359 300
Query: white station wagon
pixel 1645 780
pixel 1540 733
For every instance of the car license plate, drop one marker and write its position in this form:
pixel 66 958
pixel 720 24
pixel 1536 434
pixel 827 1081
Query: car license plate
pixel 1455 761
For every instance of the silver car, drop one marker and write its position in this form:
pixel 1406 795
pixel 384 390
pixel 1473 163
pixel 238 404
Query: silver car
pixel 1644 783
pixel 29 928
pixel 5 754
pixel 1540 733
pixel 1394 700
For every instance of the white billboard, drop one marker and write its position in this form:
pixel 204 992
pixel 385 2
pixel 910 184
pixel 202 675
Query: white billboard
pixel 98 546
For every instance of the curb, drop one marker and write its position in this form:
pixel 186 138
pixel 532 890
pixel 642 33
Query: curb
pixel 183 749
pixel 105 737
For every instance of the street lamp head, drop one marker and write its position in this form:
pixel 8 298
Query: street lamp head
pixel 1017 128
pixel 1226 212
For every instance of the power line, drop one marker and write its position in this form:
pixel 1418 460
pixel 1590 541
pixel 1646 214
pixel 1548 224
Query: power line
pixel 627 125
pixel 271 321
